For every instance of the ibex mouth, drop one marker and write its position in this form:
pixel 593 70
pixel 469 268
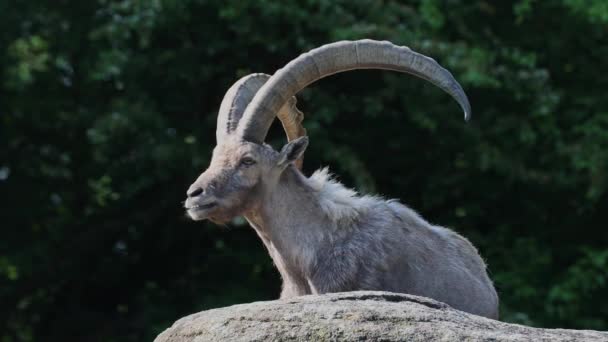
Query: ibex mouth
pixel 200 211
pixel 203 206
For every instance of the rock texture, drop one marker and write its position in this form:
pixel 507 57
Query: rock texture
pixel 356 316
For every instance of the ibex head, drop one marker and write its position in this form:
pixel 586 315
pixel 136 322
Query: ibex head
pixel 243 168
pixel 239 174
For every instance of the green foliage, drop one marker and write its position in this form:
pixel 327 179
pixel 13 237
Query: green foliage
pixel 107 114
pixel 582 283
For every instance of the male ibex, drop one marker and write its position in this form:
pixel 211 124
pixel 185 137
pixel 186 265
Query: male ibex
pixel 322 236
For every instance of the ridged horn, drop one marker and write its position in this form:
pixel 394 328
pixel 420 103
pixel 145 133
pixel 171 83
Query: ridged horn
pixel 235 102
pixel 334 58
pixel 240 95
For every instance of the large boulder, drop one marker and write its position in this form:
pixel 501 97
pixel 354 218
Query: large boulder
pixel 356 316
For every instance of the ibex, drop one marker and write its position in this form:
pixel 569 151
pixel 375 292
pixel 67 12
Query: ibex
pixel 322 236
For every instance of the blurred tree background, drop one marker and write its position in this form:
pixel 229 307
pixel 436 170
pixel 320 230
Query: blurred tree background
pixel 107 114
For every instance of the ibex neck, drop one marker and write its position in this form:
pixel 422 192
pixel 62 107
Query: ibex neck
pixel 291 225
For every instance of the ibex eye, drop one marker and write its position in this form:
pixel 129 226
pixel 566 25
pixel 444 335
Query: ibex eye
pixel 247 161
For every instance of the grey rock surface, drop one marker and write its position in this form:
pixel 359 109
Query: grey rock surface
pixel 356 316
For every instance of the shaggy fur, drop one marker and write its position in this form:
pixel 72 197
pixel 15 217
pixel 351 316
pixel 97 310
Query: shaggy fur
pixel 341 205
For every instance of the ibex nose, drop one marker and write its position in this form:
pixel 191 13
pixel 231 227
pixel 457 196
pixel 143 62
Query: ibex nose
pixel 193 192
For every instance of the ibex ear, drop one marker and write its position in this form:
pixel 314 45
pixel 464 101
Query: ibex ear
pixel 293 151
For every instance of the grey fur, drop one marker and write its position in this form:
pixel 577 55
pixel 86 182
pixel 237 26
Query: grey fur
pixel 325 238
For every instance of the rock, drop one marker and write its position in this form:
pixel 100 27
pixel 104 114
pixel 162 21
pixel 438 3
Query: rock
pixel 356 316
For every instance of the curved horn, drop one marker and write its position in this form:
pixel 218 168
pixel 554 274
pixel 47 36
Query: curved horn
pixel 240 95
pixel 235 102
pixel 339 57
